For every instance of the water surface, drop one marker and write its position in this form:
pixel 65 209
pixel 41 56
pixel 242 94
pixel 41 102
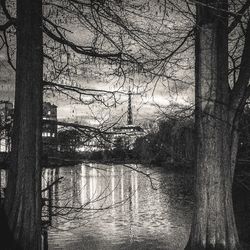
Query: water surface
pixel 115 207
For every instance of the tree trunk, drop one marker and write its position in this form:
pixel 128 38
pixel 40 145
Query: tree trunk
pixel 213 224
pixel 23 201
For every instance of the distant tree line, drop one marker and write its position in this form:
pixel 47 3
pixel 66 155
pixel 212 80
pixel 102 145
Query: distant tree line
pixel 173 142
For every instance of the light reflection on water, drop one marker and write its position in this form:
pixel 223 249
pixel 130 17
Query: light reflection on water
pixel 104 207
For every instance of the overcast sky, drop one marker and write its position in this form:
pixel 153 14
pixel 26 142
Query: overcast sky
pixel 145 106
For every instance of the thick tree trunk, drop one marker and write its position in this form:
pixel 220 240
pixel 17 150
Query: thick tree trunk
pixel 23 201
pixel 213 224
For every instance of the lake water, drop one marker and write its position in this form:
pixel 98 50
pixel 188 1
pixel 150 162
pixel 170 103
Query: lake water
pixel 113 207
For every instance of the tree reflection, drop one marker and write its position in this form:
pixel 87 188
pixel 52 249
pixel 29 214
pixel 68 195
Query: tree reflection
pixel 84 192
pixel 113 203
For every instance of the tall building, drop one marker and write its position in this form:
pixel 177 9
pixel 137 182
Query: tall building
pixel 49 127
pixel 49 130
pixel 6 116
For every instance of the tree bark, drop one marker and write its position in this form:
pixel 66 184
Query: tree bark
pixel 213 225
pixel 23 201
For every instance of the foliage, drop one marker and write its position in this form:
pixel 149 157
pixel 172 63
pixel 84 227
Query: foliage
pixel 173 142
pixel 69 140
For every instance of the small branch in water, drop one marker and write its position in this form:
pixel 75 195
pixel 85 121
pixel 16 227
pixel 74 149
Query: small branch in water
pixel 143 173
pixel 52 184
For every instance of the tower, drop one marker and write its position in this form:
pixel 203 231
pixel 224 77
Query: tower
pixel 130 120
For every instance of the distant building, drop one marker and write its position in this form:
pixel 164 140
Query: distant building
pixel 49 130
pixel 6 117
pixel 130 132
pixel 95 143
pixel 123 136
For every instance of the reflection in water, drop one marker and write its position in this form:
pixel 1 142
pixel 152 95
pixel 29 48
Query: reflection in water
pixel 102 207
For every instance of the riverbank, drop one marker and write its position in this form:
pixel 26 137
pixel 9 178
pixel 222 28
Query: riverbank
pixel 59 159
